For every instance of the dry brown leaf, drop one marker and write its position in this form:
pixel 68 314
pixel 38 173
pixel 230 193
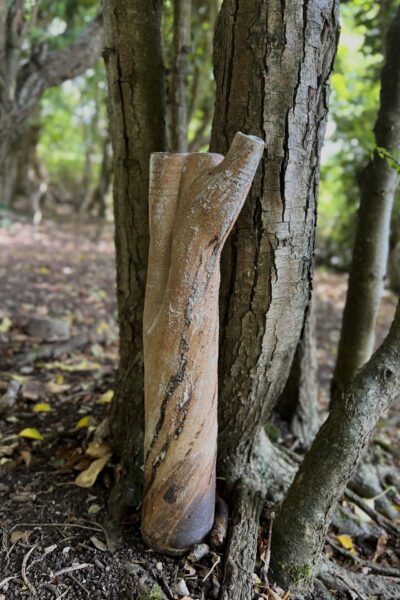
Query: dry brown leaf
pixel 57 388
pixel 98 543
pixel 20 535
pixel 26 457
pixel 98 449
pixel 87 478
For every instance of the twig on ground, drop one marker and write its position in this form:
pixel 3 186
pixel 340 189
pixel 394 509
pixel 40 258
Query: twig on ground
pixel 77 567
pixel 24 576
pixel 4 581
pixel 86 591
pixel 55 525
pixel 212 568
pixel 267 559
pixel 372 513
pixel 373 567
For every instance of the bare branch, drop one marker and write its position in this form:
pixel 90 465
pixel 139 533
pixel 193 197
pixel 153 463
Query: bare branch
pixel 42 72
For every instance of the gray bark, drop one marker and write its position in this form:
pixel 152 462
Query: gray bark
pixel 272 64
pixel 135 70
pixel 298 404
pixel 303 520
pixel 370 251
pixel 178 86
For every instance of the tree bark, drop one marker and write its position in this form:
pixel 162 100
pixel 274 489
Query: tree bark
pixel 303 520
pixel 100 192
pixel 178 85
pixel 272 63
pixel 298 404
pixel 194 202
pixel 370 251
pixel 135 70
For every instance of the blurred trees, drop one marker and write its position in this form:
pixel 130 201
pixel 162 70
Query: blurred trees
pixel 350 139
pixel 370 254
pixel 42 45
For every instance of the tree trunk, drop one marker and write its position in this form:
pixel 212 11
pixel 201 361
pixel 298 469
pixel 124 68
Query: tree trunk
pixel 277 58
pixel 303 520
pixel 135 71
pixel 22 82
pixel 100 193
pixel 272 64
pixel 298 404
pixel 370 251
pixel 178 85
pixel 194 202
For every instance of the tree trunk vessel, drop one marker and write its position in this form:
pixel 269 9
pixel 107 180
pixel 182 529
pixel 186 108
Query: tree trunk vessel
pixel 194 202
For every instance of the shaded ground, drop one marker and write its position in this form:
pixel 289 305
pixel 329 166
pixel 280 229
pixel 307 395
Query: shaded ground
pixel 54 540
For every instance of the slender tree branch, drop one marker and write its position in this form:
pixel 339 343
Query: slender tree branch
pixel 42 72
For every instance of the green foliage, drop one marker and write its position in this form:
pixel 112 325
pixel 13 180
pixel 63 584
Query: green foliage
pixel 74 124
pixel 353 109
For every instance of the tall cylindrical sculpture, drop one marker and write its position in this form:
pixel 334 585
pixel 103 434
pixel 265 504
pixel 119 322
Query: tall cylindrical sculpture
pixel 194 202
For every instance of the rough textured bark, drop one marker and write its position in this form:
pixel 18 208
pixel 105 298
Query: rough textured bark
pixel 22 84
pixel 242 542
pixel 178 85
pixel 370 251
pixel 298 404
pixel 135 70
pixel 272 66
pixel 302 523
pixel 194 202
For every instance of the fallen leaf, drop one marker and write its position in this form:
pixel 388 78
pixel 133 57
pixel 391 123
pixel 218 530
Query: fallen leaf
pixel 83 365
pixel 7 450
pixel 106 398
pixel 87 478
pixel 19 378
pixel 98 543
pixel 57 388
pixel 44 270
pixel 32 390
pixel 26 457
pixel 98 449
pixel 347 543
pixel 5 325
pixel 94 509
pixel 20 535
pixel 83 422
pixel 31 433
pixel 41 407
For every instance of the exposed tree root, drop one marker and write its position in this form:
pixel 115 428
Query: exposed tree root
pixel 358 585
pixel 277 466
pixel 373 514
pixel 370 566
pixel 241 547
pixel 220 527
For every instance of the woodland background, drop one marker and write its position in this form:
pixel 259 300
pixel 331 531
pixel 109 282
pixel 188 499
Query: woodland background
pixel 58 261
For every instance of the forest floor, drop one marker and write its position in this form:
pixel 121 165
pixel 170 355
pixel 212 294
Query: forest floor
pixel 56 468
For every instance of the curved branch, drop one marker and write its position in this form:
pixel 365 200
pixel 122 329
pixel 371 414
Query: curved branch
pixel 42 72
